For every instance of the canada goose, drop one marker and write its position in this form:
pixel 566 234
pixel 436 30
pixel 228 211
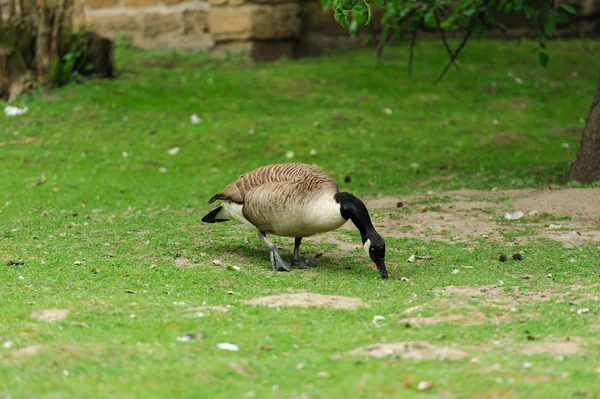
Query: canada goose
pixel 294 200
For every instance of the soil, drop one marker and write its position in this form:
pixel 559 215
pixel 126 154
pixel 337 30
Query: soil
pixel 49 315
pixel 411 351
pixel 465 215
pixel 308 299
pixel 563 347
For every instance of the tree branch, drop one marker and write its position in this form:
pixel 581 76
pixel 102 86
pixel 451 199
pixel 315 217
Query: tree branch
pixel 411 58
pixel 443 34
pixel 454 55
pixel 374 34
pixel 385 39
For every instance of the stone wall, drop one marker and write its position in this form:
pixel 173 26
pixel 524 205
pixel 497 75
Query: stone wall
pixel 263 29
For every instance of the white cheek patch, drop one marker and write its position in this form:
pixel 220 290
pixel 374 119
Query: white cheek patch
pixel 367 246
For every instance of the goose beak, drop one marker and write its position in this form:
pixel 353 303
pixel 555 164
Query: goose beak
pixel 381 267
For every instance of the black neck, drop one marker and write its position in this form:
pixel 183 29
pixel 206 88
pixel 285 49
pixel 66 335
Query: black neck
pixel 354 209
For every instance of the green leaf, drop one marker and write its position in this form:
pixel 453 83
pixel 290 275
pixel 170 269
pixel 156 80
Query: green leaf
pixel 550 25
pixel 380 3
pixel 543 58
pixel 344 22
pixel 568 8
pixel 370 14
pixel 561 17
pixel 353 29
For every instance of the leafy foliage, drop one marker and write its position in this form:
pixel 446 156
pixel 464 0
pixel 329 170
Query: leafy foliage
pixel 473 17
pixel 67 67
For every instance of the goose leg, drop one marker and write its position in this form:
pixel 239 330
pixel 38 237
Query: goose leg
pixel 279 265
pixel 296 262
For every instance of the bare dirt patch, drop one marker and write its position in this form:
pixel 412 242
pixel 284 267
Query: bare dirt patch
pixel 495 294
pixel 466 215
pixel 308 299
pixel 416 350
pixel 579 203
pixel 564 347
pixel 49 315
pixel 472 318
pixel 27 351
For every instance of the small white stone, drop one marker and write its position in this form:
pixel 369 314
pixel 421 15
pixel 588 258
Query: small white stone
pixel 495 122
pixel 387 111
pixel 174 151
pixel 289 154
pixel 583 311
pixel 313 152
pixel 162 170
pixel 195 119
pixel 124 154
pixel 226 346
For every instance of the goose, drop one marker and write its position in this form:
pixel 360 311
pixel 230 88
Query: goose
pixel 294 200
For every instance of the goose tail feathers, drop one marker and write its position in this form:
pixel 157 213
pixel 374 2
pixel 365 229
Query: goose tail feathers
pixel 213 216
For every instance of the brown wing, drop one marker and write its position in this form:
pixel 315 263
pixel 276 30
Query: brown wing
pixel 285 172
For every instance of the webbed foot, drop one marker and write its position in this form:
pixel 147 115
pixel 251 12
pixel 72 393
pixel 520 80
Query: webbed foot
pixel 298 264
pixel 279 265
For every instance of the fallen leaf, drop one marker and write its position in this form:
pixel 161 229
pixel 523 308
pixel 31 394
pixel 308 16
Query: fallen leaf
pixel 424 385
pixel 17 263
pixel 80 324
pixel 513 216
pixel 424 257
pixel 41 181
pixel 411 259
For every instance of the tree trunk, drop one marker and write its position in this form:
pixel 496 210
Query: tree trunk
pixel 15 77
pixel 587 165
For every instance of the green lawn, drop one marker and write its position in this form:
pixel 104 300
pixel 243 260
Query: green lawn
pixel 108 225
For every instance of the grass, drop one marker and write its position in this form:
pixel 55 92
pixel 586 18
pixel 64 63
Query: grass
pixel 100 235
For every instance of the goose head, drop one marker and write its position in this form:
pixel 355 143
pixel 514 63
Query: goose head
pixel 354 209
pixel 375 248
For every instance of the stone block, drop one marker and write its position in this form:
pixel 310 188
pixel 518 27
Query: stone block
pixel 286 20
pixel 122 23
pixel 96 22
pixel 180 42
pixel 101 3
pixel 195 22
pixel 263 50
pixel 254 22
pixel 157 24
pixel 230 23
pixel 139 3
